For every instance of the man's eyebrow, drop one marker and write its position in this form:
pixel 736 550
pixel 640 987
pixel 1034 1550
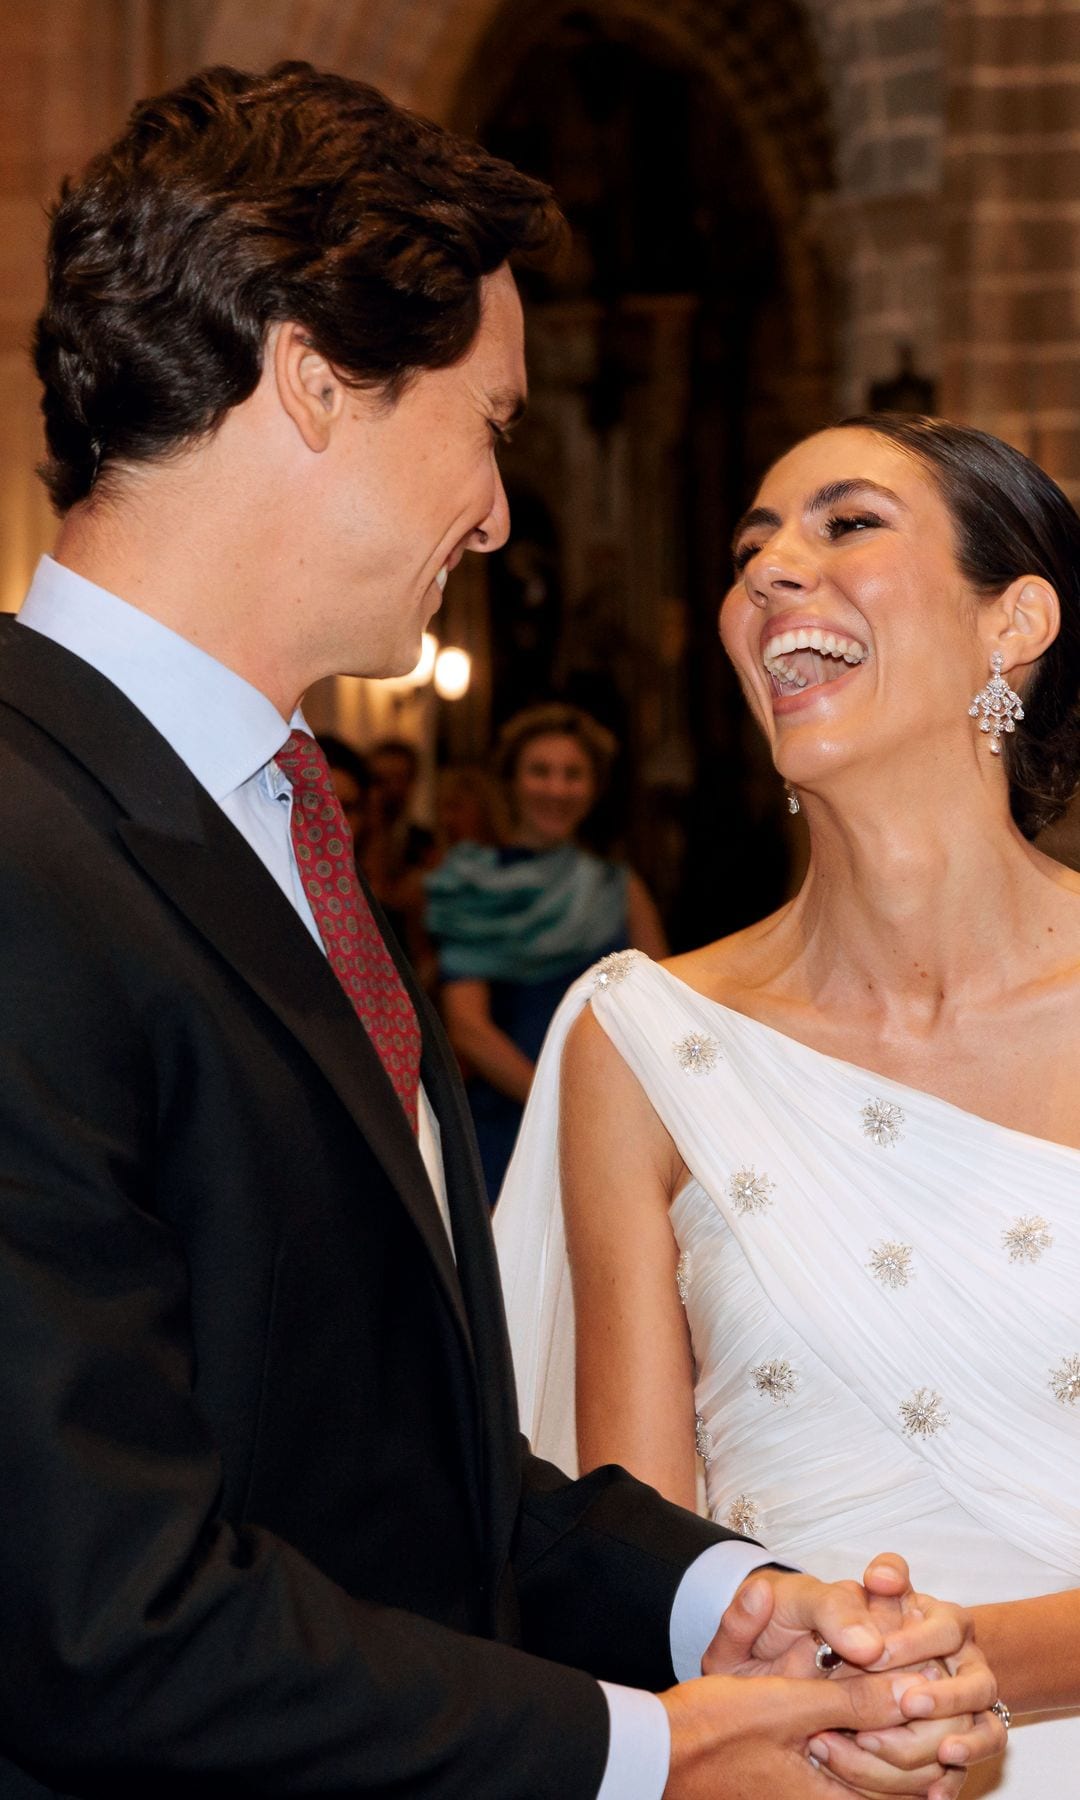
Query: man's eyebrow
pixel 834 493
pixel 508 404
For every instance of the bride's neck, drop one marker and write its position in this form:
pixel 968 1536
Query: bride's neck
pixel 913 907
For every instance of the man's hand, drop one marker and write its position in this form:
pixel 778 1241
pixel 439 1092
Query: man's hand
pixel 748 1740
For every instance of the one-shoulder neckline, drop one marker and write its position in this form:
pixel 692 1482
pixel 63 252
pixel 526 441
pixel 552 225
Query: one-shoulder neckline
pixel 922 1095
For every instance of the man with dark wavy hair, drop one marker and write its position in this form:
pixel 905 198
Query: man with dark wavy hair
pixel 266 1525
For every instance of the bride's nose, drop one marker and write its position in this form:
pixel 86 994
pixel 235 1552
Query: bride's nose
pixel 782 570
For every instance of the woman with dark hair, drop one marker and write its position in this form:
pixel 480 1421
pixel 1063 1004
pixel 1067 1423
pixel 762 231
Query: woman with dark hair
pixel 820 1181
pixel 515 924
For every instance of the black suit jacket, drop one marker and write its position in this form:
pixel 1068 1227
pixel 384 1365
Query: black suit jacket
pixel 266 1522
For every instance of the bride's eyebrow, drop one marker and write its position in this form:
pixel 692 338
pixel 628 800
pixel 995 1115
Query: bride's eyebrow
pixel 834 493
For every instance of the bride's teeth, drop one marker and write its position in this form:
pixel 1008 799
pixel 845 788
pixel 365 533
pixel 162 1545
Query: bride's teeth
pixel 440 579
pixel 825 643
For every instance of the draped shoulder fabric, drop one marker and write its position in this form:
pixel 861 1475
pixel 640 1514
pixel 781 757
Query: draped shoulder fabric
pixel 501 915
pixel 883 1294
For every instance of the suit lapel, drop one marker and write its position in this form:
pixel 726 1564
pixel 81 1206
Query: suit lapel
pixel 222 888
pixel 194 855
pixel 479 1274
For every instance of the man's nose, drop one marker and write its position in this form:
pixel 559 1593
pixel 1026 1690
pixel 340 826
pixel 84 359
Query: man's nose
pixel 493 530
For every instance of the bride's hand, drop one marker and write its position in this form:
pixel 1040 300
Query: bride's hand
pixel 909 1759
pixel 951 1739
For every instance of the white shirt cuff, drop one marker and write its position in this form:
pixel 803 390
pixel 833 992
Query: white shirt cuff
pixel 704 1595
pixel 639 1749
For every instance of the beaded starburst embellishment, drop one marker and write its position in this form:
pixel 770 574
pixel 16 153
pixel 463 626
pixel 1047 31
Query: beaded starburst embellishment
pixel 682 1276
pixel 924 1413
pixel 883 1122
pixel 776 1380
pixel 1026 1239
pixel 697 1053
pixel 749 1191
pixel 702 1440
pixel 891 1264
pixel 743 1515
pixel 613 968
pixel 1065 1381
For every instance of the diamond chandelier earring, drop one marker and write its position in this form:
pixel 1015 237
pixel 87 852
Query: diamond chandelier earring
pixel 792 798
pixel 998 704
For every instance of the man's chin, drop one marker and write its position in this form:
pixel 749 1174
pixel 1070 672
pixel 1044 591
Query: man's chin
pixel 396 668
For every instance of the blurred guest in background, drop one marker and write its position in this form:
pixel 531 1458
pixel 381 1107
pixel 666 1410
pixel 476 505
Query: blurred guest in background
pixel 469 808
pixel 350 773
pixel 398 848
pixel 515 924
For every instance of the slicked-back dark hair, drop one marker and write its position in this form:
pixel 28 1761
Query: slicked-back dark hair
pixel 237 201
pixel 1010 520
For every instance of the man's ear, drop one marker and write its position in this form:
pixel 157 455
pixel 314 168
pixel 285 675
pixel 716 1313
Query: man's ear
pixel 310 391
pixel 1022 622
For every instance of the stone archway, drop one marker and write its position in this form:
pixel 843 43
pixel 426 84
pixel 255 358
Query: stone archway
pixel 643 437
pixel 439 55
pixel 762 63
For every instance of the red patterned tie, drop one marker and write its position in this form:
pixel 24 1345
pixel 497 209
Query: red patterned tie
pixel 354 944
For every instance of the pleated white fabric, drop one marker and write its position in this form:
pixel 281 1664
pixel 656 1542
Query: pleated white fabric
pixel 883 1294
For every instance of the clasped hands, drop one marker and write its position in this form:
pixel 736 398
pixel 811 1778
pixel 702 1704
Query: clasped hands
pixel 907 1713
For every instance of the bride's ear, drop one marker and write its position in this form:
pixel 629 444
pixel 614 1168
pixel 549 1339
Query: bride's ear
pixel 1022 622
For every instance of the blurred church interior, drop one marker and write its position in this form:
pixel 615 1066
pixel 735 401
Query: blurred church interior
pixel 781 212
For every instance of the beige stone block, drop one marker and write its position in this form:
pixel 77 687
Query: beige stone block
pixel 1056 448
pixel 23 230
pixel 27 526
pixel 1052 246
pixel 1002 40
pixel 908 31
pixel 1056 384
pixel 1016 173
pixel 992 316
pixel 1026 110
pixel 912 94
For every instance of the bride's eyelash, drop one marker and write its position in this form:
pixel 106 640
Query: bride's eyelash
pixel 837 524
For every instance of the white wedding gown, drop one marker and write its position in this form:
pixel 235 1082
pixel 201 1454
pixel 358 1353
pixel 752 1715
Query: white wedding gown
pixel 883 1294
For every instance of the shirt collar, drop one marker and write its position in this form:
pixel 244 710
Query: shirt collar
pixel 224 729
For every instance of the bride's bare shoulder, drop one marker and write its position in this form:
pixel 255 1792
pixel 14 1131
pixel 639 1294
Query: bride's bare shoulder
pixel 732 967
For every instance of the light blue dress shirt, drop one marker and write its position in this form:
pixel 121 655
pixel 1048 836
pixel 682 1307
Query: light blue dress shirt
pixel 227 733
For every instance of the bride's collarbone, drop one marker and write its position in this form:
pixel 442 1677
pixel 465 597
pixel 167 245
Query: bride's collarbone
pixel 1016 1063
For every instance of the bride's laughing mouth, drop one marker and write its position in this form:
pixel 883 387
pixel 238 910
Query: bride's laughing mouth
pixel 799 659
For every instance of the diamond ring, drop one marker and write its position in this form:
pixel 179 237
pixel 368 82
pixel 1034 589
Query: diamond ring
pixel 999 1707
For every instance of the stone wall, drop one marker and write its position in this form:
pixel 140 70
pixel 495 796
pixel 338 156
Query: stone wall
pixel 71 70
pixel 1012 208
pixel 955 129
pixel 881 226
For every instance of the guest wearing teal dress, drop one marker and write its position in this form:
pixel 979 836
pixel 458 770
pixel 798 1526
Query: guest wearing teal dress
pixel 515 924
